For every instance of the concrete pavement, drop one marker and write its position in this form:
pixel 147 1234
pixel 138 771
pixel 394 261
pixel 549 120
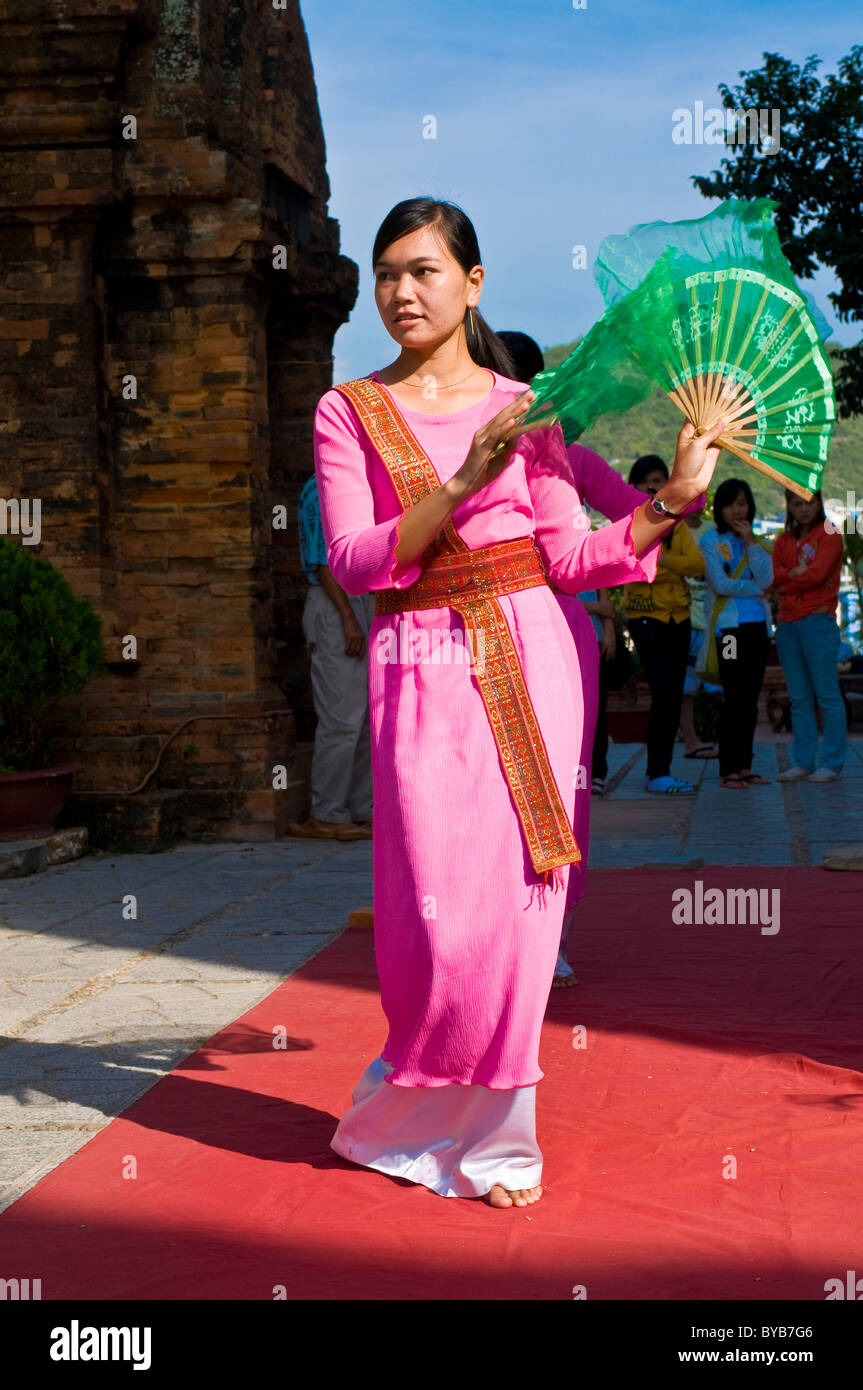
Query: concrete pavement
pixel 785 823
pixel 98 1004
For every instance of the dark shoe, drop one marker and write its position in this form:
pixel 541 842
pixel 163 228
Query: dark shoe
pixel 351 831
pixel 314 829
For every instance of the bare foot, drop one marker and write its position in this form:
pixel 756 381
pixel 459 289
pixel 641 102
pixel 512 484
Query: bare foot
pixel 501 1196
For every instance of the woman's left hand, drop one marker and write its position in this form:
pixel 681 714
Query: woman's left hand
pixel 694 462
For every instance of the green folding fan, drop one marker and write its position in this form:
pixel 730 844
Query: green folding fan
pixel 709 310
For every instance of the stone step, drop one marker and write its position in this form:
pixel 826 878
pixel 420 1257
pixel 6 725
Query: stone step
pixel 296 797
pixel 21 857
pixel 301 766
pixel 296 800
pixel 149 821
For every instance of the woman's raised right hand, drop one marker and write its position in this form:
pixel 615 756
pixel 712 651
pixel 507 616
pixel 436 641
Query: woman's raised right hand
pixel 479 467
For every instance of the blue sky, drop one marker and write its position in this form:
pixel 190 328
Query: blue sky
pixel 554 129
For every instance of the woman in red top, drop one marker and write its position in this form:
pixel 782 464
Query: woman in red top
pixel 807 560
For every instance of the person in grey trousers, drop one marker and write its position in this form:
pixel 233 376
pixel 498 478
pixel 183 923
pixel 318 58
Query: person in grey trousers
pixel 336 628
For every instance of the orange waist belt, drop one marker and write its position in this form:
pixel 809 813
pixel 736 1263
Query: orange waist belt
pixel 471 582
pixel 450 580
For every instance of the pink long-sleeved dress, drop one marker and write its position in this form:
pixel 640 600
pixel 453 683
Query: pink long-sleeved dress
pixel 466 935
pixel 601 488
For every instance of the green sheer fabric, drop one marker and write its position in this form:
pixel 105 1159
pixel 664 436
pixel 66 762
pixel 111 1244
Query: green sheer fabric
pixel 707 309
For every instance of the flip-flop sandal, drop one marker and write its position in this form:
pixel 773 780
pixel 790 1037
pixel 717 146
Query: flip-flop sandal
pixel 676 786
pixel 702 752
pixel 735 783
pixel 755 780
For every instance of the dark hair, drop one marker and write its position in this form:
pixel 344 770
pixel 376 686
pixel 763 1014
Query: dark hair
pixel 526 354
pixel 644 465
pixel 728 492
pixel 458 234
pixel 794 526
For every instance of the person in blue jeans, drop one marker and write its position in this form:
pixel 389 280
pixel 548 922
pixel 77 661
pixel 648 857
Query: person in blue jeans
pixel 807 562
pixel 738 573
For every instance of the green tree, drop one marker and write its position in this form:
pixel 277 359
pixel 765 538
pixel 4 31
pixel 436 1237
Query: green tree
pixel 815 177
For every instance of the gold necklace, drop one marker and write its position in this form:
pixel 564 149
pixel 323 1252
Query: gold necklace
pixel 448 387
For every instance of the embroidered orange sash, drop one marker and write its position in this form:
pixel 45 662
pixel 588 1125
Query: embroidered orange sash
pixel 491 572
pixel 546 826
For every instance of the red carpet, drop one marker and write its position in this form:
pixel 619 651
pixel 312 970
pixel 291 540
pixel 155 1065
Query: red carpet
pixel 703 1042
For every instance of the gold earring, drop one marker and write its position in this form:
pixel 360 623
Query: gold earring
pixel 472 323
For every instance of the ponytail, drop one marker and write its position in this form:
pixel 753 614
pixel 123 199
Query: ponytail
pixel 486 348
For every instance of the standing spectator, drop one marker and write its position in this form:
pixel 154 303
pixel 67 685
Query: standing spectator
pixel 807 561
pixel 698 619
pixel 600 610
pixel 739 572
pixel 658 619
pixel 336 627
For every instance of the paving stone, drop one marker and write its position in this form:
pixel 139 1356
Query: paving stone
pixel 70 961
pixel 168 1009
pixel 20 999
pixel 28 1147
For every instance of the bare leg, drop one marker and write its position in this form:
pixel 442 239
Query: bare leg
pixel 687 728
pixel 687 723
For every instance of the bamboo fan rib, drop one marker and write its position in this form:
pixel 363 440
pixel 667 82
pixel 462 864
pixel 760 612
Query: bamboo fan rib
pixel 733 338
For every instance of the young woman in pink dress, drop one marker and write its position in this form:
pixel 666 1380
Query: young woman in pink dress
pixel 432 498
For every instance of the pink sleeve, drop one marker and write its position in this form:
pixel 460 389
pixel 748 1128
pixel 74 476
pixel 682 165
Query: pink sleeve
pixel 360 550
pixel 603 489
pixel 575 557
pixel 600 486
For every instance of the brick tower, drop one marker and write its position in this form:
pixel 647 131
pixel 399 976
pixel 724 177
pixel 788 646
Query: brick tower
pixel 171 284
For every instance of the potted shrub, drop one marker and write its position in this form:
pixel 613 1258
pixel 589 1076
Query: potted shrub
pixel 50 645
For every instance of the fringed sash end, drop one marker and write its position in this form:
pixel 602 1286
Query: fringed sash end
pixel 552 879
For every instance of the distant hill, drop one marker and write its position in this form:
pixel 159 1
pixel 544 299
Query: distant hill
pixel 652 427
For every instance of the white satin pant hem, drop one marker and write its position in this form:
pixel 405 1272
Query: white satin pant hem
pixel 456 1140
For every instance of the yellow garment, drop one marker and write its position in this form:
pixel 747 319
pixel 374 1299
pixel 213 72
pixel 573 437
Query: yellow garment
pixel 667 598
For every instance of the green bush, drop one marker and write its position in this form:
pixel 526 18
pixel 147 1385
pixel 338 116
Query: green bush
pixel 50 645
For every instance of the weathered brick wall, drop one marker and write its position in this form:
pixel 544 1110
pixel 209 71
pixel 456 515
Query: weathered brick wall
pixel 160 365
